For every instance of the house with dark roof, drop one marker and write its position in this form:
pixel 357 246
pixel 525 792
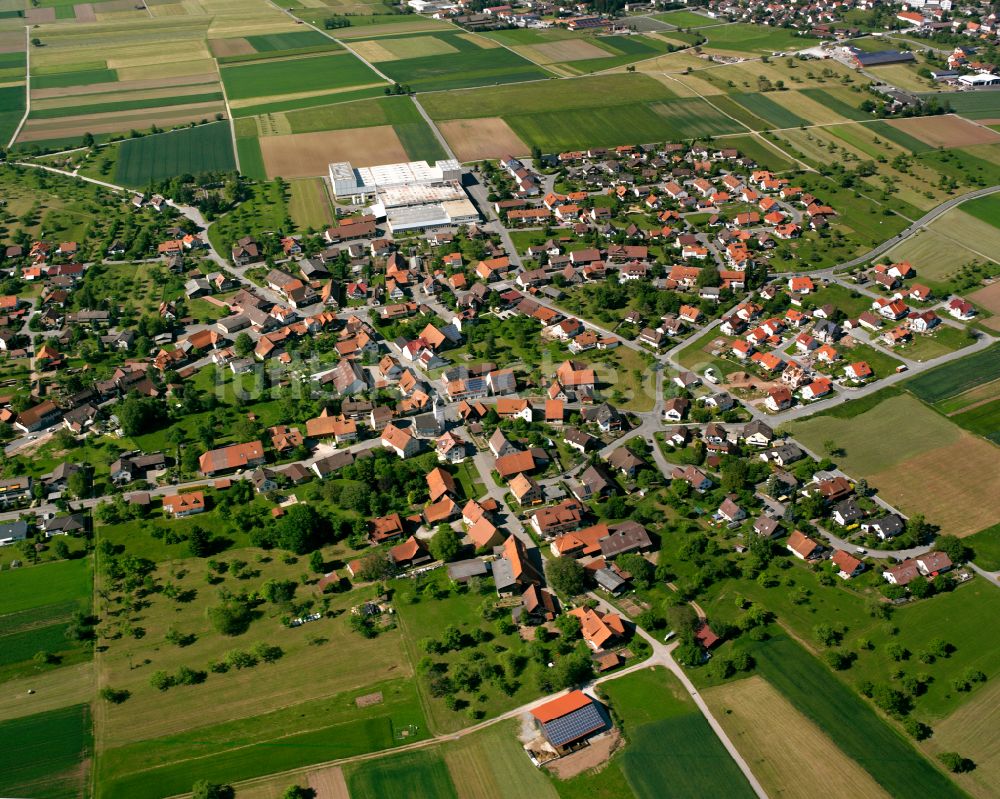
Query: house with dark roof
pixel 568 721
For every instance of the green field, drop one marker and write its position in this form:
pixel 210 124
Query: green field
pixel 313 73
pixel 251 158
pixel 11 111
pixel 770 109
pixel 205 148
pixel 272 42
pixel 671 751
pixel 765 154
pixel 470 66
pixel 85 77
pixel 547 96
pixel 958 376
pixel 42 754
pixel 295 736
pixel 983 420
pixel 741 38
pixel 125 105
pixel 827 99
pixel 974 105
pixel 623 50
pixel 849 721
pixel 986 209
pixel 686 19
pixel 412 774
pixel 669 120
pixel 51 583
pixel 897 136
pixel 986 545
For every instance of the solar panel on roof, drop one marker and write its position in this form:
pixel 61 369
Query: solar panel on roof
pixel 573 726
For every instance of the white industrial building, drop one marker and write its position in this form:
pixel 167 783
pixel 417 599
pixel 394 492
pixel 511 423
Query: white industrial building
pixel 982 79
pixel 408 195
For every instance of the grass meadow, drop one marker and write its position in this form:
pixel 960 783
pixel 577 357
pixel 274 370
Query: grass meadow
pixel 276 77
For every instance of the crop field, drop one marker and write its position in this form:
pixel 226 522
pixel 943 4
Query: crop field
pixel 957 377
pixel 12 103
pixel 291 737
pixel 986 209
pixel 665 737
pixel 924 442
pixel 946 131
pixel 840 101
pixel 611 51
pixel 304 155
pixel 787 752
pixel 449 61
pixel 778 114
pixel 492 765
pixel 207 148
pixel 754 39
pixel 45 754
pixel 276 77
pixel 852 725
pixel 476 139
pixel 974 105
pixel 421 773
pixel 971 730
pixel 649 122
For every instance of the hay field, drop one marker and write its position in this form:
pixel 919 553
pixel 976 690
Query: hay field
pixel 226 47
pixel 476 139
pixel 972 731
pixel 113 122
pixel 124 86
pixel 492 765
pixel 305 155
pixel 903 76
pixel 406 47
pixel 789 754
pixel 946 131
pixel 53 689
pixel 566 50
pixel 309 205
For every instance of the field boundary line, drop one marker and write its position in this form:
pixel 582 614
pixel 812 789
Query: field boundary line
pixel 27 86
pixel 230 122
pixel 430 122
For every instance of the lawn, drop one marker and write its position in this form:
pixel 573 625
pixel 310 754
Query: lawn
pixel 205 148
pixel 421 773
pixel 686 19
pixel 42 754
pixel 60 582
pixel 852 303
pixel 882 364
pixel 276 77
pixel 943 340
pixel 309 205
pixel 957 377
pixel 849 721
pixel 284 739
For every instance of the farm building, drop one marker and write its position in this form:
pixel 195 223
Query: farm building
pixel 880 58
pixel 567 722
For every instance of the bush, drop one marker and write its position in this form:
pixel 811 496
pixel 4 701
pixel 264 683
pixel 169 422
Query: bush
pixel 161 680
pixel 955 763
pixel 114 696
pixel 230 618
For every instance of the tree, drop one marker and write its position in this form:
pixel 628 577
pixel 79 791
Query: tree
pixel 566 576
pixel 88 139
pixel 278 592
pixel 376 566
pixel 301 529
pixel 243 345
pixel 640 568
pixel 212 790
pixel 682 620
pixel 230 618
pixel 61 548
pixel 954 548
pixel 114 696
pixel 955 763
pixel 317 563
pixel 298 792
pixel 200 542
pixel 445 543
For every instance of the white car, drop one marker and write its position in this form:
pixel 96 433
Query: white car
pixel 711 376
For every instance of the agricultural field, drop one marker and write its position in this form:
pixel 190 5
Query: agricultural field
pixel 779 115
pixel 46 754
pixel 686 19
pixel 439 61
pixel 923 443
pixel 945 131
pixel 852 725
pixel 419 773
pixel 970 730
pixel 304 155
pixel 957 378
pixel 760 150
pixel 207 148
pixel 665 737
pixel 753 40
pixel 569 53
pixel 953 240
pixel 12 94
pixel 309 205
pixel 973 105
pixel 269 81
pixel 786 751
